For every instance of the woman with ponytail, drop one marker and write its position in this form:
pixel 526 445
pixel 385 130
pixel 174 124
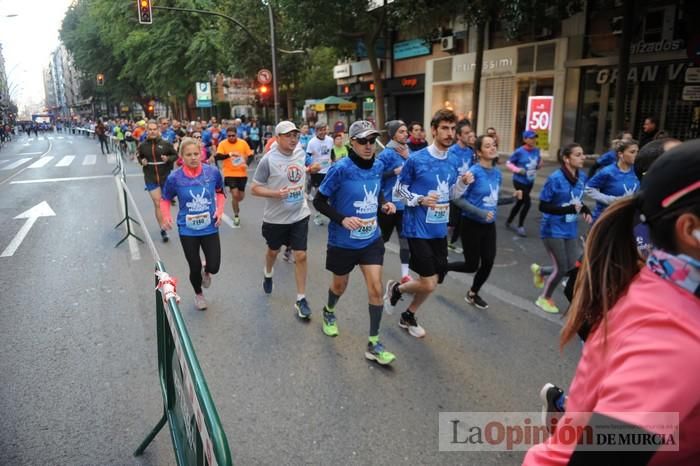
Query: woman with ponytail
pixel 641 359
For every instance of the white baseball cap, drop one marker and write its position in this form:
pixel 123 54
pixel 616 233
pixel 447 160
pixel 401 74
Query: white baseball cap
pixel 284 127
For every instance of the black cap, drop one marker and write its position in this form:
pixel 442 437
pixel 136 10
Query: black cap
pixel 670 180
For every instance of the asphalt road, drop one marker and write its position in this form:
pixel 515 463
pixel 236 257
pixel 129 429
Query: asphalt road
pixel 78 350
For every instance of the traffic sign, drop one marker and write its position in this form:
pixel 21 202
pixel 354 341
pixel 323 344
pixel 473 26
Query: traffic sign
pixel 264 76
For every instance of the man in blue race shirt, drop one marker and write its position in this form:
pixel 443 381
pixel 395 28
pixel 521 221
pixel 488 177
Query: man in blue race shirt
pixel 464 158
pixel 524 164
pixel 350 196
pixel 424 185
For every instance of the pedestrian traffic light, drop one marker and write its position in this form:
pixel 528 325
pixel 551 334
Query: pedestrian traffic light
pixel 144 7
pixel 100 79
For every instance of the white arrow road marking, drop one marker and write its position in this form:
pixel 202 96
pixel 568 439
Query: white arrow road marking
pixel 42 209
pixel 133 245
pixel 41 162
pixel 17 163
pixel 65 161
pixel 90 159
pixel 111 158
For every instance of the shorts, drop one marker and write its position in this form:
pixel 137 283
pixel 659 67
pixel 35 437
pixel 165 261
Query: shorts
pixel 236 182
pixel 317 179
pixel 293 235
pixel 153 186
pixel 341 261
pixel 428 257
pixel 455 215
pixel 387 223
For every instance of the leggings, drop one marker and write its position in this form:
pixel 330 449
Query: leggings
pixel 479 244
pixel 523 203
pixel 563 253
pixel 211 247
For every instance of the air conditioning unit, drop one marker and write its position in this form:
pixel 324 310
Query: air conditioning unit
pixel 447 44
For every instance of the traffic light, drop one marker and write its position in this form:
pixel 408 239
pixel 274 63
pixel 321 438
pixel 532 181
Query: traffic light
pixel 264 90
pixel 100 79
pixel 150 108
pixel 144 7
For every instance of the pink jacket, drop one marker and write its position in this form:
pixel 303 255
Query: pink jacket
pixel 650 362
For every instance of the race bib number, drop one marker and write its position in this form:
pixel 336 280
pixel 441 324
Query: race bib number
pixel 295 194
pixel 438 214
pixel 198 221
pixel 366 231
pixel 237 161
pixel 570 218
pixel 530 174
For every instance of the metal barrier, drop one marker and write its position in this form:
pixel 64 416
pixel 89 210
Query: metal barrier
pixel 196 431
pixel 195 428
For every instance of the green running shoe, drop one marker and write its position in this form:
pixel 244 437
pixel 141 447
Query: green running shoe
pixel 537 278
pixel 330 326
pixel 377 353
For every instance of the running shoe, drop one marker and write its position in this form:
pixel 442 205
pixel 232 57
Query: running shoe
pixel 406 279
pixel 206 279
pixel 236 221
pixel 537 279
pixel 509 226
pixel 303 309
pixel 547 305
pixel 318 219
pixel 521 232
pixel 199 302
pixel 376 352
pixel 476 300
pixel 164 236
pixel 288 256
pixel 454 248
pixel 330 324
pixel 553 399
pixel 408 322
pixel 392 294
pixel 267 284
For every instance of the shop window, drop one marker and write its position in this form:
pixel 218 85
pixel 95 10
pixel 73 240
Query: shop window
pixel 442 70
pixel 526 59
pixel 545 57
pixel 587 121
pixel 682 116
pixel 499 110
pixel 653 25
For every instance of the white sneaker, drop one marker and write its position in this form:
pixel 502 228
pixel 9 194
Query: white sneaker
pixel 206 279
pixel 199 302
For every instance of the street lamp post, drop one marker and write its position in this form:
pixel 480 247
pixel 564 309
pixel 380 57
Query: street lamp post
pixel 274 60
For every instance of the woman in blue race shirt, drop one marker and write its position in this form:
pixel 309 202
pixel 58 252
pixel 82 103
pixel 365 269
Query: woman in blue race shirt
pixel 561 205
pixel 524 164
pixel 479 201
pixel 614 181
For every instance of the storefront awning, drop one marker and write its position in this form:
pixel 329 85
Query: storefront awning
pixel 334 103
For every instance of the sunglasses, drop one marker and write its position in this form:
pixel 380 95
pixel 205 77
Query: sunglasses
pixel 363 141
pixel 197 137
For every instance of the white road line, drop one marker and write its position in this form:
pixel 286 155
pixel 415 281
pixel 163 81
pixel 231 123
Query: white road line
pixel 30 153
pixel 42 162
pixel 16 163
pixel 111 159
pixel 60 137
pixel 90 159
pixel 70 178
pixel 18 172
pixel 65 161
pixel 133 246
pixel 4 161
pixel 50 138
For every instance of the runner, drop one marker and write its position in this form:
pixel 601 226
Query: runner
pixel 614 181
pixel 416 138
pixel 393 157
pixel 199 189
pixel 479 202
pixel 279 178
pixel 350 196
pixel 524 164
pixel 340 150
pixel 157 157
pixel 464 157
pixel 561 206
pixel 319 150
pixel 424 186
pixel 234 153
pixel 610 156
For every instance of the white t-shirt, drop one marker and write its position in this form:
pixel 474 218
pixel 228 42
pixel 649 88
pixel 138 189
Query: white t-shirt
pixel 276 171
pixel 320 152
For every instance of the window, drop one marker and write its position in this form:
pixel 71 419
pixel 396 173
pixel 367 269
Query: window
pixel 653 25
pixel 545 57
pixel 442 70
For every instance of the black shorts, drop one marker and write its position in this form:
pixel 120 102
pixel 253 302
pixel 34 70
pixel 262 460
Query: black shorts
pixel 341 261
pixel 428 257
pixel 236 182
pixel 292 235
pixel 387 223
pixel 317 179
pixel 455 215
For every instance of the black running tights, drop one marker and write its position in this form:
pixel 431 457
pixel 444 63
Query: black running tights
pixel 211 247
pixel 523 203
pixel 479 244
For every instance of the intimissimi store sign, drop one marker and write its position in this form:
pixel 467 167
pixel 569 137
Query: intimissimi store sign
pixel 644 73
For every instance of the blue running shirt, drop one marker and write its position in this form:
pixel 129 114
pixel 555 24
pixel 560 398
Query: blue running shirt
pixel 483 192
pixel 391 160
pixel 463 156
pixel 612 181
pixel 424 174
pixel 527 159
pixel 557 190
pixel 353 192
pixel 196 198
